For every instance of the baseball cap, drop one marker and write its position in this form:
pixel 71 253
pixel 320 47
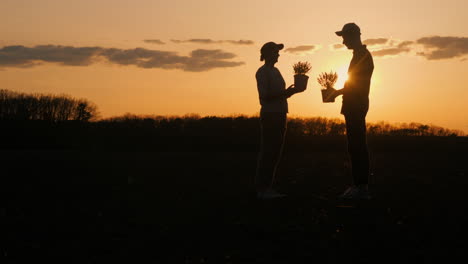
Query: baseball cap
pixel 269 48
pixel 349 28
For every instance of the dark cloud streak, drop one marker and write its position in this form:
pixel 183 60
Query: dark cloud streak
pixel 240 42
pixel 405 44
pixel 375 41
pixel 443 47
pixel 198 60
pixel 301 49
pixel 211 41
pixel 337 46
pixel 389 51
pixel 20 56
pixel 154 41
pixel 202 41
pixel 393 49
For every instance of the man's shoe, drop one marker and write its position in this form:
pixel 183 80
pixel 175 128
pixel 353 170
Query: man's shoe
pixel 356 193
pixel 348 193
pixel 363 194
pixel 269 194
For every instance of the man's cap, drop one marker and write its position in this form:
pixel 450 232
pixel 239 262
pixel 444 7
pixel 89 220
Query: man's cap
pixel 269 48
pixel 349 28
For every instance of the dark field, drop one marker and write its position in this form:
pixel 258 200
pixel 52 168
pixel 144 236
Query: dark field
pixel 92 204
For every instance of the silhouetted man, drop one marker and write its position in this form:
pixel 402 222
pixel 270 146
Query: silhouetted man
pixel 274 107
pixel 355 106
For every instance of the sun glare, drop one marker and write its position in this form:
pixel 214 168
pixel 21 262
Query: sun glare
pixel 342 76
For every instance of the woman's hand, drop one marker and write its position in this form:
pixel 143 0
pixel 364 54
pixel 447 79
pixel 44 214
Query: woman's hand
pixel 291 90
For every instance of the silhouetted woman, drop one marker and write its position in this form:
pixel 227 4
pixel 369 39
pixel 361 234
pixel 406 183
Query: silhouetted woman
pixel 274 108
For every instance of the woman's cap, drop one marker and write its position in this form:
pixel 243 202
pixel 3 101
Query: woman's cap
pixel 349 29
pixel 268 48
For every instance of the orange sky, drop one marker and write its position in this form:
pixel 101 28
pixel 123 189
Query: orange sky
pixel 423 81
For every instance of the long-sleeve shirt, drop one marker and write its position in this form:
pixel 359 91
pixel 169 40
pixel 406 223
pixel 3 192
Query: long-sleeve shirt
pixel 271 87
pixel 357 87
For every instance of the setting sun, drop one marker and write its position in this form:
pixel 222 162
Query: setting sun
pixel 342 76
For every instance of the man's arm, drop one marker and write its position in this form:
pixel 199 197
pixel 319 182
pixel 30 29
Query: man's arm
pixel 337 93
pixel 359 80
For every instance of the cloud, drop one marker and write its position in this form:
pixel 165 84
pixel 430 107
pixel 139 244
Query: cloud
pixel 389 51
pixel 211 41
pixel 375 41
pixel 199 41
pixel 438 48
pixel 301 49
pixel 336 46
pixel 392 48
pixel 154 41
pixel 203 60
pixel 431 48
pixel 240 42
pixel 405 44
pixel 198 60
pixel 20 56
pixel 214 54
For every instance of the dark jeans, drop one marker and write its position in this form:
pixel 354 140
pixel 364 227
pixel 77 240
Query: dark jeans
pixel 273 130
pixel 357 147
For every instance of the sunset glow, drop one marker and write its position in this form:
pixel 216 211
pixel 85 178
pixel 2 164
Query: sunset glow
pixel 342 76
pixel 178 57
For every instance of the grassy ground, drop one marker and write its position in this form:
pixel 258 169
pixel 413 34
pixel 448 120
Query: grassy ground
pixel 195 207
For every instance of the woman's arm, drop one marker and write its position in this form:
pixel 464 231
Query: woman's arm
pixel 268 95
pixel 280 94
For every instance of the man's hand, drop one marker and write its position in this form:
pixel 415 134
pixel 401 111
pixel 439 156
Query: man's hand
pixel 336 93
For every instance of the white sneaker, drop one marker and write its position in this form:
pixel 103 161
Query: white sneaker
pixel 269 194
pixel 348 192
pixel 356 193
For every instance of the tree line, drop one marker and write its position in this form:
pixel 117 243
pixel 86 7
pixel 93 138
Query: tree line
pixel 55 108
pixel 313 126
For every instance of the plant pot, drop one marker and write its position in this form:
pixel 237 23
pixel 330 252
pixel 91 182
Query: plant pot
pixel 327 95
pixel 300 82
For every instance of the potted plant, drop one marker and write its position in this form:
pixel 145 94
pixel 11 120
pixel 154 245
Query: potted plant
pixel 300 77
pixel 327 81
